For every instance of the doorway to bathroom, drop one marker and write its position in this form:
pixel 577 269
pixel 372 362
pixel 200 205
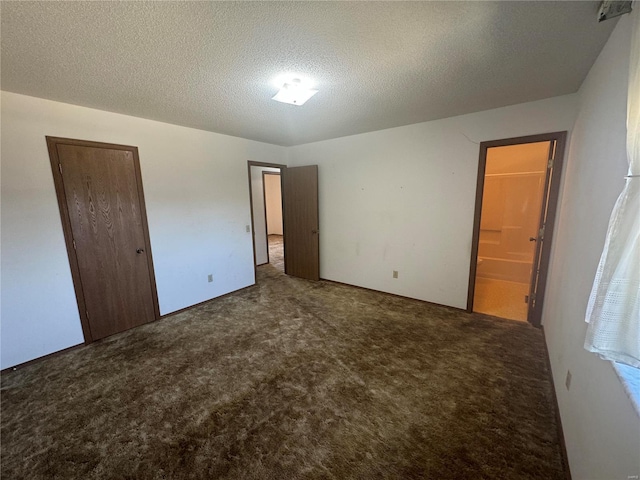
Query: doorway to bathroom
pixel 516 198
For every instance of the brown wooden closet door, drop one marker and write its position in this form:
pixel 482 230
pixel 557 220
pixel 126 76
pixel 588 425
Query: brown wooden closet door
pixel 105 213
pixel 300 222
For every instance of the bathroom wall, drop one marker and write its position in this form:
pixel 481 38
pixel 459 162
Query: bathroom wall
pixel 513 188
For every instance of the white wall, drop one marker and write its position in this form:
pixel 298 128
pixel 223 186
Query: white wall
pixel 273 200
pixel 601 428
pixel 403 199
pixel 197 198
pixel 259 218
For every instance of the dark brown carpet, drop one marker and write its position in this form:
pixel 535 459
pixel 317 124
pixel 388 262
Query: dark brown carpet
pixel 276 251
pixel 289 380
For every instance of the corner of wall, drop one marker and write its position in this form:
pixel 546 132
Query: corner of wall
pixel 601 428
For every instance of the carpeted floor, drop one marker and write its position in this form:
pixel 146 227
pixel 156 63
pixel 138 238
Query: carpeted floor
pixel 290 379
pixel 276 251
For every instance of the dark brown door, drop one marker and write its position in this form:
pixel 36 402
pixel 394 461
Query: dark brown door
pixel 102 206
pixel 542 251
pixel 300 222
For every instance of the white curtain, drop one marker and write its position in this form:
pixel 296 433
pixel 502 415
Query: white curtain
pixel 613 311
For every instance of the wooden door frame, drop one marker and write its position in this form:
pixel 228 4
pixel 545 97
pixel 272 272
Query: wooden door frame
pixel 251 163
pixel 52 143
pixel 554 191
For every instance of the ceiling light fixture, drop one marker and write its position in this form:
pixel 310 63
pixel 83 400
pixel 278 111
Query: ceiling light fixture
pixel 294 93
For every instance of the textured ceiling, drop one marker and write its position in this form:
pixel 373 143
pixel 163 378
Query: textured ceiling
pixel 211 65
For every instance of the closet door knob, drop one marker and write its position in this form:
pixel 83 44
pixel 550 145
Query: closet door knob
pixel 139 251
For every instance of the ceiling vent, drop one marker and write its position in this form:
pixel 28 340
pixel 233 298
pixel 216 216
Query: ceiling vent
pixel 611 8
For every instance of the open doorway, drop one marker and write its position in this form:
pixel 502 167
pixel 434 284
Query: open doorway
pixel 266 210
pixel 272 187
pixel 518 184
pixel 298 248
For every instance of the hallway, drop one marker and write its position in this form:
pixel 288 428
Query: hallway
pixel 276 251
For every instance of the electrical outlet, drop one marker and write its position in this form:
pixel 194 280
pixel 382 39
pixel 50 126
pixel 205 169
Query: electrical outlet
pixel 248 228
pixel 395 274
pixel 210 278
pixel 567 382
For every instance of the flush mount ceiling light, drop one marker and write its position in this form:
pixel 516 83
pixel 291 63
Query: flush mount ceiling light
pixel 294 93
